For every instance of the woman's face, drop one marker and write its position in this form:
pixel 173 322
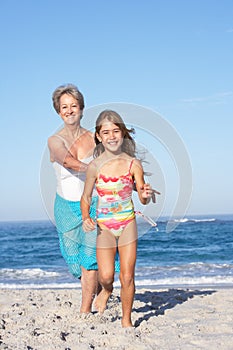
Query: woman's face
pixel 69 109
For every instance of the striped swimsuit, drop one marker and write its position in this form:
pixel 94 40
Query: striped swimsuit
pixel 115 207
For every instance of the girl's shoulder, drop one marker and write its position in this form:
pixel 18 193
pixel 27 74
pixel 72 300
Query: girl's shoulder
pixel 99 161
pixel 135 164
pixel 132 163
pixel 92 168
pixel 126 157
pixel 135 160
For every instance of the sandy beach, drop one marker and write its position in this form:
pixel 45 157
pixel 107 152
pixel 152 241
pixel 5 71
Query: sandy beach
pixel 174 318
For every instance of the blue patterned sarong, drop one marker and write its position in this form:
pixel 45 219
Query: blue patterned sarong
pixel 78 248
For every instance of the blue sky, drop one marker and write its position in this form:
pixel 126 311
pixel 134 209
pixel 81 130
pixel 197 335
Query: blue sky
pixel 173 57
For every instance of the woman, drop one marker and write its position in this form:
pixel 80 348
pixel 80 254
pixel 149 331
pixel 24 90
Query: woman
pixel 71 149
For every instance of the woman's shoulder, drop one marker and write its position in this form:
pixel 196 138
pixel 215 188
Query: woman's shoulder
pixel 56 138
pixel 86 137
pixel 87 133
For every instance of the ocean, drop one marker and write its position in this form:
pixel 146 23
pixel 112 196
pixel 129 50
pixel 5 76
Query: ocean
pixel 199 252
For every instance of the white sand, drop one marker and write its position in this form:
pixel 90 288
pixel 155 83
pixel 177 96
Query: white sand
pixel 164 319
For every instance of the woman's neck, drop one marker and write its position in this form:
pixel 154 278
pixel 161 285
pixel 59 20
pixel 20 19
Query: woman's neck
pixel 72 132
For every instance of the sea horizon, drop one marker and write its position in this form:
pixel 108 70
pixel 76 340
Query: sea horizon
pixel 227 216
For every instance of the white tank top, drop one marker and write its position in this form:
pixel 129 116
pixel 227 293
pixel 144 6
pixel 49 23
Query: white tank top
pixel 70 183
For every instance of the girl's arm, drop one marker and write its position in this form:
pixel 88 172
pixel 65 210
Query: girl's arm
pixel 145 192
pixel 88 223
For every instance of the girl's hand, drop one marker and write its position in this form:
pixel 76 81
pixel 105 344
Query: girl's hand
pixel 154 192
pixel 88 224
pixel 146 191
pixel 153 195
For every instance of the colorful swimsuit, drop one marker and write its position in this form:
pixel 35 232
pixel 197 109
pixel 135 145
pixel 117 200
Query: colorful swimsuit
pixel 115 207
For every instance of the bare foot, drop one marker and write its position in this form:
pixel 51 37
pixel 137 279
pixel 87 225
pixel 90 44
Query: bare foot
pixel 86 305
pixel 126 324
pixel 101 300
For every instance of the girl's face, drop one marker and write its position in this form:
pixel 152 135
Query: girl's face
pixel 69 109
pixel 111 136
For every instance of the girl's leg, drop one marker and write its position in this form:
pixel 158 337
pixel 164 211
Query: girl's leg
pixel 105 253
pixel 128 254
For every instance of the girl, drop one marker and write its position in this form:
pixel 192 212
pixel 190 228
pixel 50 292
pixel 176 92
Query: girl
pixel 114 172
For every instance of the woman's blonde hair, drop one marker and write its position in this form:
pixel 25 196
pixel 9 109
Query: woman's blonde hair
pixel 68 89
pixel 128 145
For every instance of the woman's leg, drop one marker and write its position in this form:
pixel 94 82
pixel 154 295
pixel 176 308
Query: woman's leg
pixel 89 278
pixel 128 252
pixel 69 247
pixel 105 253
pixel 89 285
pixel 79 250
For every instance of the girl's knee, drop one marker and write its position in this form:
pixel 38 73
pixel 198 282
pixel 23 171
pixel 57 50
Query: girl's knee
pixel 106 279
pixel 126 279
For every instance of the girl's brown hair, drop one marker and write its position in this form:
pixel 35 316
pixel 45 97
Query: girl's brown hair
pixel 128 145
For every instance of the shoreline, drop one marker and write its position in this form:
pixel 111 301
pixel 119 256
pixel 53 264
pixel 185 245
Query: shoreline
pixel 76 286
pixel 167 318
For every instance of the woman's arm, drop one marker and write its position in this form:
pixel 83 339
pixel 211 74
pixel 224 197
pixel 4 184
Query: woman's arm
pixel 60 154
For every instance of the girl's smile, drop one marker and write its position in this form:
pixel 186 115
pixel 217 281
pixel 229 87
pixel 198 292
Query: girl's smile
pixel 111 136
